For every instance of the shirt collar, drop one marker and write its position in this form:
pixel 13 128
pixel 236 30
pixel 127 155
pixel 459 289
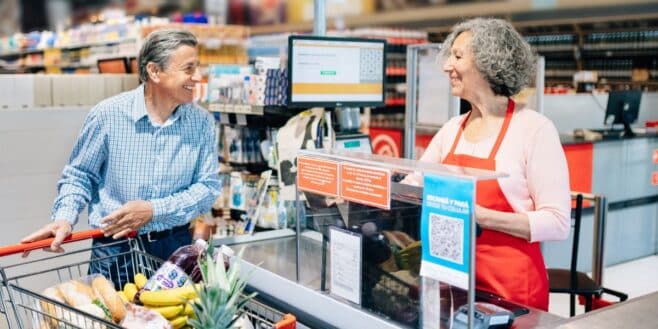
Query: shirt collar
pixel 139 108
pixel 139 104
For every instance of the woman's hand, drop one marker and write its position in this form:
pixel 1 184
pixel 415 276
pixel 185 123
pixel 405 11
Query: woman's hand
pixel 516 224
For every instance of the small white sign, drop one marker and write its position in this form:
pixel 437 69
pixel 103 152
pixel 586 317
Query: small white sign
pixel 345 273
pixel 242 119
pixel 224 118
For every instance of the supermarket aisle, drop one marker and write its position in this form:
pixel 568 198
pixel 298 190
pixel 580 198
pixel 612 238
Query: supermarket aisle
pixel 635 278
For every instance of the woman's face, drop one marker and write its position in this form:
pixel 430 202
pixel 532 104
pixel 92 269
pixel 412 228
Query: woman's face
pixel 461 69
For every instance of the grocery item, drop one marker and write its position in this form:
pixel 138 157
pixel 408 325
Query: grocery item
pixel 76 293
pixel 140 280
pixel 138 317
pixel 105 292
pixel 94 295
pixel 176 270
pixel 168 297
pixel 169 312
pixel 219 298
pixel 130 290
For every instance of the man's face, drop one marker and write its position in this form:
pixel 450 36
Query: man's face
pixel 181 74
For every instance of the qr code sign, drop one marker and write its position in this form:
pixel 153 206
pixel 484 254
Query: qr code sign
pixel 446 235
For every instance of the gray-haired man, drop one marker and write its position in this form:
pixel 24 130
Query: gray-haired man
pixel 145 160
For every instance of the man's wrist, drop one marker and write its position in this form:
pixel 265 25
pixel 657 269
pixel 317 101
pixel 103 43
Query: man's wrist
pixel 69 215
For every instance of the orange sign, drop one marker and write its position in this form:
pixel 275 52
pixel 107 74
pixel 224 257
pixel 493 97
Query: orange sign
pixel 318 176
pixel 655 156
pixel 654 178
pixel 366 185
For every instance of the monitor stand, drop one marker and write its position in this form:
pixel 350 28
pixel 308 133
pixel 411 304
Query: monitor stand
pixel 628 132
pixel 348 119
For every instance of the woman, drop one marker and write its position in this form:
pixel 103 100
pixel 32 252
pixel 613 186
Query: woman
pixel 487 62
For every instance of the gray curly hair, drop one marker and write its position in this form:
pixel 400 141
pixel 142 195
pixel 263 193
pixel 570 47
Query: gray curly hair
pixel 501 54
pixel 159 46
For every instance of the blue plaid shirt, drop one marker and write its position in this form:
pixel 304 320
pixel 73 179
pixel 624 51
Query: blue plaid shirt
pixel 121 156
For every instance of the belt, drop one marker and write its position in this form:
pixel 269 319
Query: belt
pixel 157 235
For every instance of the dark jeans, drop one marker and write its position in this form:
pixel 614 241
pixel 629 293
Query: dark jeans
pixel 115 260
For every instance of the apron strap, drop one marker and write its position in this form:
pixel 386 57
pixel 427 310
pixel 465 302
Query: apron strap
pixel 501 134
pixel 503 129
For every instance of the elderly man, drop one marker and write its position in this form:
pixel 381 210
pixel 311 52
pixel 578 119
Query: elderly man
pixel 145 160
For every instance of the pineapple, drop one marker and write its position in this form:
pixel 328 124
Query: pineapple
pixel 220 296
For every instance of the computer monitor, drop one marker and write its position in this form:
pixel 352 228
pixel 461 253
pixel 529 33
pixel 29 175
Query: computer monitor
pixel 113 65
pixel 623 108
pixel 336 72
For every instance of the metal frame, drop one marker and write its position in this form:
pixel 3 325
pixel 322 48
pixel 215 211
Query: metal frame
pixel 598 231
pixel 411 108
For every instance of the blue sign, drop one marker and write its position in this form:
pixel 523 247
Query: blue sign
pixel 445 232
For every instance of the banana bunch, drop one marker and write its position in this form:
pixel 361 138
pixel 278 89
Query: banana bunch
pixel 173 304
pixel 408 258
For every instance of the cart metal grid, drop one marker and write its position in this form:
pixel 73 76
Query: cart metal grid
pixel 24 306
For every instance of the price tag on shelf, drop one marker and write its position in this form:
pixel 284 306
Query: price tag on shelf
pixel 242 119
pixel 224 118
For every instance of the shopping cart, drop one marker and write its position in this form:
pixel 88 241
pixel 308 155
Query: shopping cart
pixel 24 306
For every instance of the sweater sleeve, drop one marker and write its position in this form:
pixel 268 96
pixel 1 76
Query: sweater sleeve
pixel 548 184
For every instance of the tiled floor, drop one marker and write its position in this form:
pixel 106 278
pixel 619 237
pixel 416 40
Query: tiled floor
pixel 635 278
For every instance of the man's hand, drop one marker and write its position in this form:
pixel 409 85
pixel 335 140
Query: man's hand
pixel 130 217
pixel 59 229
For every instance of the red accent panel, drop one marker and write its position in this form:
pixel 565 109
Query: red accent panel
pixel 579 160
pixel 386 141
pixel 422 142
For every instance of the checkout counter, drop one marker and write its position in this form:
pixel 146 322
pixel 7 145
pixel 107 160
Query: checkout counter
pixel 356 263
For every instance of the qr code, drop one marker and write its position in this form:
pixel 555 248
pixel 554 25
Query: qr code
pixel 371 65
pixel 446 235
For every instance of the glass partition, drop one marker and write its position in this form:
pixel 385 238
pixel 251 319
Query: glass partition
pixel 359 234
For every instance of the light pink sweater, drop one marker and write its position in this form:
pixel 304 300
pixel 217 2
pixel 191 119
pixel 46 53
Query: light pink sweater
pixel 532 156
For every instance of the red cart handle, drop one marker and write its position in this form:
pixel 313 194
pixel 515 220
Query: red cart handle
pixel 77 236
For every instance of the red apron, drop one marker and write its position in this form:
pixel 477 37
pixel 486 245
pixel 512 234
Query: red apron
pixel 508 266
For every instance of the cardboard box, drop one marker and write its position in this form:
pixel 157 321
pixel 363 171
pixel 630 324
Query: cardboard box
pixel 62 87
pixel 42 92
pixel 6 90
pixel 130 81
pixel 23 94
pixel 113 85
pixel 95 88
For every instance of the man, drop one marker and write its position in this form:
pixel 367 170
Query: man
pixel 145 160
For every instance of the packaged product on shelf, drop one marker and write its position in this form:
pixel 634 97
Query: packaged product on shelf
pixel 237 200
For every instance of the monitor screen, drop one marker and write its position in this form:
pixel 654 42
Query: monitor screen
pixel 336 72
pixel 623 107
pixel 354 142
pixel 113 65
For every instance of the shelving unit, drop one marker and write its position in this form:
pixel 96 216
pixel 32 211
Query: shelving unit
pixel 439 18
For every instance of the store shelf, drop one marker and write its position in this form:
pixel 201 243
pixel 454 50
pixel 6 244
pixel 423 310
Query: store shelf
pixel 68 47
pixel 236 108
pixel 272 116
pixel 396 71
pixel 395 102
pixel 441 17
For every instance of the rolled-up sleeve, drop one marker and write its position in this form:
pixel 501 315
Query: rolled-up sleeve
pixel 548 185
pixel 82 173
